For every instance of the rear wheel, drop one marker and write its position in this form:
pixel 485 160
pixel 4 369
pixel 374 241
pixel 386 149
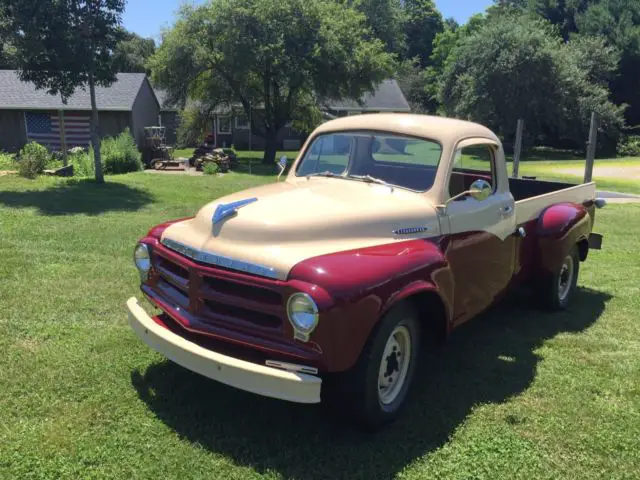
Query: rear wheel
pixel 556 290
pixel 374 391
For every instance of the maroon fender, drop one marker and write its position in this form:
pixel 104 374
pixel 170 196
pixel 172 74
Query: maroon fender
pixel 363 284
pixel 558 229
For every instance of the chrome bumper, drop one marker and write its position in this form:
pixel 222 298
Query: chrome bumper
pixel 260 379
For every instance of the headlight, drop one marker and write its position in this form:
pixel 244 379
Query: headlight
pixel 142 259
pixel 303 315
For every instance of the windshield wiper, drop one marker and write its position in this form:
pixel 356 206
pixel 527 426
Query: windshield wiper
pixel 326 173
pixel 370 179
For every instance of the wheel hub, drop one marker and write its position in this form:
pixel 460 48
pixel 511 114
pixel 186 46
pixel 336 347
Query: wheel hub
pixel 394 365
pixel 565 278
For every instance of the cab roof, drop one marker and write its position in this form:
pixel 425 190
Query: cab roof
pixel 441 129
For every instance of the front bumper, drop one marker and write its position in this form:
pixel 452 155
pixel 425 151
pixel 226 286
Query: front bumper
pixel 252 377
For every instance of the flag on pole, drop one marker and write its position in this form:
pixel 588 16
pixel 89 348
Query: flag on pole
pixel 44 128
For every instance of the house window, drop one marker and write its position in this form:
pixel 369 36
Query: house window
pixel 242 122
pixel 224 125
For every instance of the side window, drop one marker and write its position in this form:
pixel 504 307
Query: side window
pixel 470 164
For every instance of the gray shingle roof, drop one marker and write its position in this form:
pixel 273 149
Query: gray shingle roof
pixel 386 97
pixel 17 95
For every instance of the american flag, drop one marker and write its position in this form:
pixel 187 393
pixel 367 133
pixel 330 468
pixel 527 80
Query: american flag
pixel 44 128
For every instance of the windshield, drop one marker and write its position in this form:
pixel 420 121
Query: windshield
pixel 387 158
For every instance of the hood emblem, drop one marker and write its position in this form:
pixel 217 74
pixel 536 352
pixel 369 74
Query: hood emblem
pixel 226 210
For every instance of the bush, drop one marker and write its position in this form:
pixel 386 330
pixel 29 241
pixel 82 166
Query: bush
pixel 629 146
pixel 119 154
pixel 82 162
pixel 210 168
pixel 33 159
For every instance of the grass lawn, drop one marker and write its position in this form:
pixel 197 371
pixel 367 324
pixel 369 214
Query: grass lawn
pixel 514 394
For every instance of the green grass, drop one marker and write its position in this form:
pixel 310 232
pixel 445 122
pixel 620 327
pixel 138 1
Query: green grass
pixel 514 394
pixel 7 161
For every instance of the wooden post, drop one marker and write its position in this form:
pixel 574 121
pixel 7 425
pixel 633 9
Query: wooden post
pixel 63 139
pixel 591 147
pixel 517 148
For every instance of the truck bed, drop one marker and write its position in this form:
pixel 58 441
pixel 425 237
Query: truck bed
pixel 533 196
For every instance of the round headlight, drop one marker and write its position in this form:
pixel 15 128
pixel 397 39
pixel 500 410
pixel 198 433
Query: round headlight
pixel 303 314
pixel 142 259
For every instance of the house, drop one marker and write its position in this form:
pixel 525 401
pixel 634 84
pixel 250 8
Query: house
pixel 168 117
pixel 231 126
pixel 28 114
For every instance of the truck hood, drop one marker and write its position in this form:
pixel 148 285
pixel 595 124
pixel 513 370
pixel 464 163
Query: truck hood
pixel 292 221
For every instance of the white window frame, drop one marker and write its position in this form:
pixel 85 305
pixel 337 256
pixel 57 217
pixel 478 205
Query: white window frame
pixel 222 132
pixel 240 126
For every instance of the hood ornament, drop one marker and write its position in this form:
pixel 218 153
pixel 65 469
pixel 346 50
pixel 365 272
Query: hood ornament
pixel 226 210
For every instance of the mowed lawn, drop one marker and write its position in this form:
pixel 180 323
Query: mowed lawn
pixel 514 394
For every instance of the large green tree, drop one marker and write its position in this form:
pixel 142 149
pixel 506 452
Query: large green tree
pixel 618 21
pixel 518 67
pixel 7 50
pixel 423 22
pixel 385 19
pixel 132 53
pixel 273 58
pixel 63 45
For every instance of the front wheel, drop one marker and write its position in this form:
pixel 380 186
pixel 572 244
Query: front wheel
pixel 555 291
pixel 374 391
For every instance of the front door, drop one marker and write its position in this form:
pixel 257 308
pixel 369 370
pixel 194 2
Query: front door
pixel 481 247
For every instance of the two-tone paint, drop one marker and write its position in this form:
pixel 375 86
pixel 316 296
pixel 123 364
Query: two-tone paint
pixel 357 249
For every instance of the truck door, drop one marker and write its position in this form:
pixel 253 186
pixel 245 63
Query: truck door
pixel 481 246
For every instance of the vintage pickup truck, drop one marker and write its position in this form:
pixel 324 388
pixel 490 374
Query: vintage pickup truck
pixel 389 231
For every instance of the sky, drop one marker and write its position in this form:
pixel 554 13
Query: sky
pixel 146 18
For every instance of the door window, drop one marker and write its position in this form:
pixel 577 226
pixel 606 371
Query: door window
pixel 470 164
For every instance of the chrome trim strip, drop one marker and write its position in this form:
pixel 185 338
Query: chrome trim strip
pixel 291 367
pixel 410 230
pixel 220 260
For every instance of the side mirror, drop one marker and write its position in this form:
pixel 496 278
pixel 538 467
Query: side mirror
pixel 480 189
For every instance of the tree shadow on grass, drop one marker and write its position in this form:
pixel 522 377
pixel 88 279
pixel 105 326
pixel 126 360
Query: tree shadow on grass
pixel 79 196
pixel 488 360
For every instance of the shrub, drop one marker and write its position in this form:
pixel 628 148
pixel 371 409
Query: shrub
pixel 33 159
pixel 210 168
pixel 82 162
pixel 629 146
pixel 119 154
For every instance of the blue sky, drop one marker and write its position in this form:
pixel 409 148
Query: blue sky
pixel 147 18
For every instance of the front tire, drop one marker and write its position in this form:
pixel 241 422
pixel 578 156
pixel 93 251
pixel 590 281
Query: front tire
pixel 375 390
pixel 556 290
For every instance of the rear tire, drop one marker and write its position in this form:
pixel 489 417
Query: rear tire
pixel 374 391
pixel 555 290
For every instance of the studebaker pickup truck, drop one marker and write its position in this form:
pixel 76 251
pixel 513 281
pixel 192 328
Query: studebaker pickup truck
pixel 389 230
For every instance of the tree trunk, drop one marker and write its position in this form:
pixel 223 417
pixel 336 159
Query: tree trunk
pixel 270 148
pixel 95 132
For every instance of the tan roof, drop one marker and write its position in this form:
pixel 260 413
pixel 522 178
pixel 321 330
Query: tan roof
pixel 441 129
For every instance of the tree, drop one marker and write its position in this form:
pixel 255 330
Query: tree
pixel 7 50
pixel 270 58
pixel 63 45
pixel 423 23
pixel 444 44
pixel 519 67
pixel 385 19
pixel 618 21
pixel 562 13
pixel 132 52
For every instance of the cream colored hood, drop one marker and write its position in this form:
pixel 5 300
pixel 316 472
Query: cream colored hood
pixel 293 221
